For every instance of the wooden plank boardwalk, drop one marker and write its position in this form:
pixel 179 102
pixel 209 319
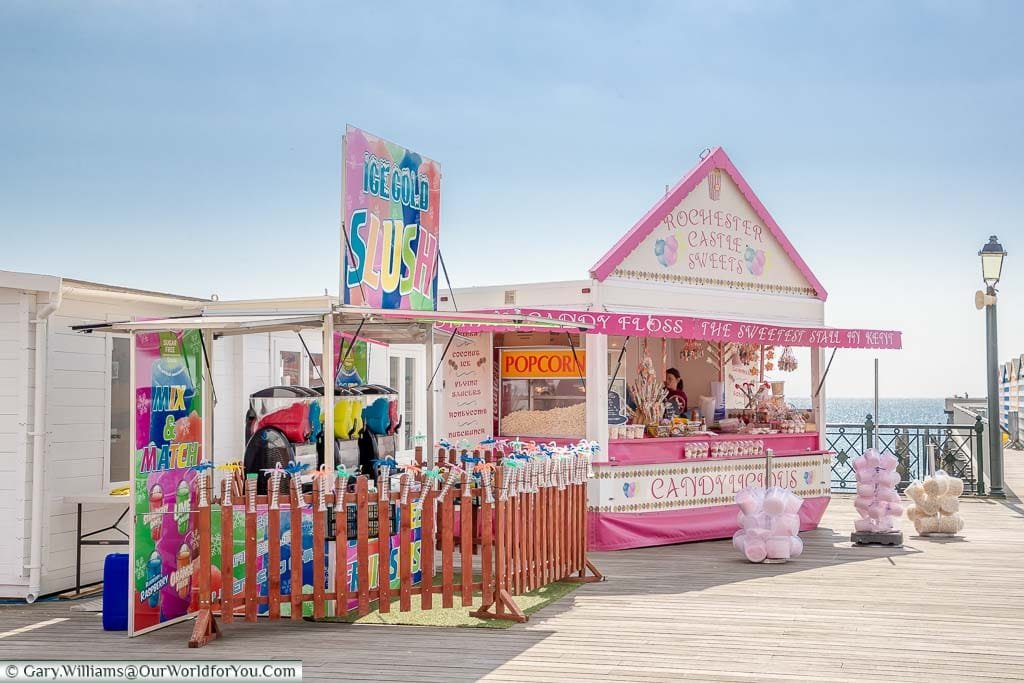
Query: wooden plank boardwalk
pixel 934 610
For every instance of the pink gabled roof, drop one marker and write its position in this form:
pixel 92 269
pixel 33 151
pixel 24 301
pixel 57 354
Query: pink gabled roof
pixel 716 159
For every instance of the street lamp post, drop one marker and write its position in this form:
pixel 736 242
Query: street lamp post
pixel 992 255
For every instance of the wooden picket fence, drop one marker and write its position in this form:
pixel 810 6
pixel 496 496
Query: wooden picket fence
pixel 526 526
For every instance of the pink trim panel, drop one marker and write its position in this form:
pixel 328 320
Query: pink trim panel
pixel 711 329
pixel 622 530
pixel 717 159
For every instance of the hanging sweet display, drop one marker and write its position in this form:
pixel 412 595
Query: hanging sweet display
pixel 747 354
pixel 787 362
pixel 692 350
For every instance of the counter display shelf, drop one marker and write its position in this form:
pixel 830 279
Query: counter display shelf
pixel 636 504
pixel 651 450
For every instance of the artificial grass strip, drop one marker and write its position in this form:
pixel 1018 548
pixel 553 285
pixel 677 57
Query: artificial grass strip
pixel 459 617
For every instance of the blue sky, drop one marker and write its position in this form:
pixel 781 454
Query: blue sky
pixel 192 147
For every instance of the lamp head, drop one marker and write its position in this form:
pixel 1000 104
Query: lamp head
pixel 992 255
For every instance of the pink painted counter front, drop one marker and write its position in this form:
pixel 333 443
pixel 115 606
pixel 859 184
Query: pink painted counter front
pixel 647 494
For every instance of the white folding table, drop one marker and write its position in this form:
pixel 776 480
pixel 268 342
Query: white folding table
pixel 89 538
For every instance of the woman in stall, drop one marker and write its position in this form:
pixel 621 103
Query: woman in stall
pixel 674 385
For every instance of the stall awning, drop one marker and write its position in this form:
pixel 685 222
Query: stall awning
pixel 220 325
pixel 715 330
pixel 382 326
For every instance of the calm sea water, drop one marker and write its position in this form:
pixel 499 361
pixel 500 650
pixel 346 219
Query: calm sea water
pixel 891 410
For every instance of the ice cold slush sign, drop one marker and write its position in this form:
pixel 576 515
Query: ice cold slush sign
pixel 714 237
pixel 391 219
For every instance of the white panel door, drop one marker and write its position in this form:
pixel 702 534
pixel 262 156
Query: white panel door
pixel 407 375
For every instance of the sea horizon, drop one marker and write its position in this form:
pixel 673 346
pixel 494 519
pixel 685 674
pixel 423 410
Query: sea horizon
pixel 854 410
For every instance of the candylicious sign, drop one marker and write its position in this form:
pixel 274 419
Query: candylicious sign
pixel 168 442
pixel 391 202
pixel 706 483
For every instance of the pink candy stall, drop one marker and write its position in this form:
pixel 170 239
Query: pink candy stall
pixel 700 350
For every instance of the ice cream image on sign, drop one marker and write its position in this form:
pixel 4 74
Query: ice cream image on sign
pixel 182 499
pixel 156 511
pixel 154 571
pixel 184 582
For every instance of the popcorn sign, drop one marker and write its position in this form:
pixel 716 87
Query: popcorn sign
pixel 391 199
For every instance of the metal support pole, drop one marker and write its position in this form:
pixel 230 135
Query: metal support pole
pixel 431 452
pixel 979 430
pixel 876 417
pixel 995 442
pixel 78 553
pixel 209 398
pixel 327 363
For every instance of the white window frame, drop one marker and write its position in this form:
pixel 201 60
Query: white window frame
pixel 291 343
pixel 108 402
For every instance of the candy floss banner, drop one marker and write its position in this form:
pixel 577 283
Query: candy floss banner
pixel 391 203
pixel 168 442
pixel 708 329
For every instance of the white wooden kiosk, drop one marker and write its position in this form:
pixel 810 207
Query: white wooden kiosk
pixel 706 269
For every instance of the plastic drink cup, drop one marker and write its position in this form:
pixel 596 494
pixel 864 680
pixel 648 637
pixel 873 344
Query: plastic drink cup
pixel 182 498
pixel 156 504
pixel 154 569
pixel 184 559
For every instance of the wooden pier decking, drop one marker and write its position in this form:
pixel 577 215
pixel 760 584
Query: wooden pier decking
pixel 934 610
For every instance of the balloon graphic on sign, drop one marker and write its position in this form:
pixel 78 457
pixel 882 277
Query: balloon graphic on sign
pixel 667 251
pixel 755 261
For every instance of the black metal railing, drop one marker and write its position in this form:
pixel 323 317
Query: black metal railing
pixel 957 450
